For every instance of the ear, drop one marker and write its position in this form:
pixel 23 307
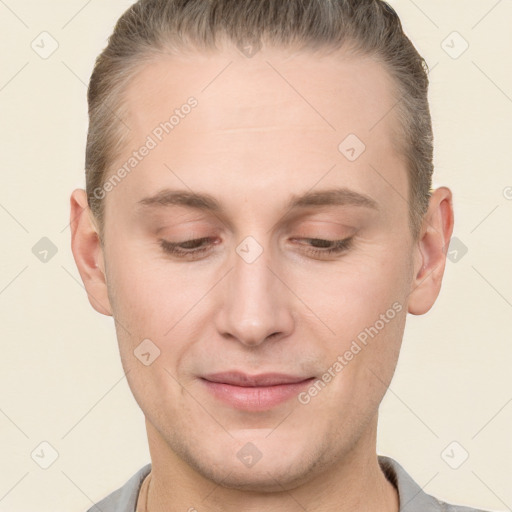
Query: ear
pixel 88 252
pixel 430 252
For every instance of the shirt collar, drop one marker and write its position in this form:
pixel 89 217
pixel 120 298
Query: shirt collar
pixel 411 495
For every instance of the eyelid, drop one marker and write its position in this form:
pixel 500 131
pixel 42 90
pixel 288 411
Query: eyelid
pixel 337 247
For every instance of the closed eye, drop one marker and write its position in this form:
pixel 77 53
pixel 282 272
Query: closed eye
pixel 198 246
pixel 321 247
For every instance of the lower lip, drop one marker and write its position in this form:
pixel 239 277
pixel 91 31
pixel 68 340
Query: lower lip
pixel 259 398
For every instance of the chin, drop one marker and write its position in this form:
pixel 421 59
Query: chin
pixel 265 479
pixel 266 469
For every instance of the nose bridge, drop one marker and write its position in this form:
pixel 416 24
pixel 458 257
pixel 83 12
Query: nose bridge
pixel 254 305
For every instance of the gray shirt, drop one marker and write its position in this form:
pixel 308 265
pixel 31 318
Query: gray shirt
pixel 412 498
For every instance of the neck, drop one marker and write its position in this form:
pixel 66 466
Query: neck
pixel 354 482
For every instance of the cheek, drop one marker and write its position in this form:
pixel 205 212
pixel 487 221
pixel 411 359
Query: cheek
pixel 369 323
pixel 352 294
pixel 148 291
pixel 157 301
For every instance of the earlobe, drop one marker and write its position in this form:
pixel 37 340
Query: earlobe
pixel 430 252
pixel 88 253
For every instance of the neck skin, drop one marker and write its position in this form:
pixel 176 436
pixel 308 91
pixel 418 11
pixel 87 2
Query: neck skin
pixel 355 483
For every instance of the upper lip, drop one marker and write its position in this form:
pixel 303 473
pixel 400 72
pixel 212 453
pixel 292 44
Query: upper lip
pixel 237 378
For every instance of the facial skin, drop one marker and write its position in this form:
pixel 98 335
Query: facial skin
pixel 265 130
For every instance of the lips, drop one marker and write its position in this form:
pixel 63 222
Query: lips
pixel 254 392
pixel 265 379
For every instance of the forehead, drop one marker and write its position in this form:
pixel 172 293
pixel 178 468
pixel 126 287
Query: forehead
pixel 337 90
pixel 262 121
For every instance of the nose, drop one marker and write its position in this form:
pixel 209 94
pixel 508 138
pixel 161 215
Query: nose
pixel 254 303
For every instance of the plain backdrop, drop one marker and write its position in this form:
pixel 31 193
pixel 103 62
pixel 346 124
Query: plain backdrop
pixel 61 380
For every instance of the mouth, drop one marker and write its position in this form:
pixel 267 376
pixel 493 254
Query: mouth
pixel 254 392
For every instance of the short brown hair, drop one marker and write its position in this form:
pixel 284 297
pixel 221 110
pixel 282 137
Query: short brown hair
pixel 369 27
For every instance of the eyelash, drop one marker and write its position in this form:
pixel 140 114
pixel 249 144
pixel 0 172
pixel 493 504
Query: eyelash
pixel 175 249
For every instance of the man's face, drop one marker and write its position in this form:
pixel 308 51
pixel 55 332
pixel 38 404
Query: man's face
pixel 260 296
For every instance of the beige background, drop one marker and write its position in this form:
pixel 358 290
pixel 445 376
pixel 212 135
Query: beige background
pixel 61 380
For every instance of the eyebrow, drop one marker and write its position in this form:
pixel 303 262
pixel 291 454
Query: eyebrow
pixel 330 197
